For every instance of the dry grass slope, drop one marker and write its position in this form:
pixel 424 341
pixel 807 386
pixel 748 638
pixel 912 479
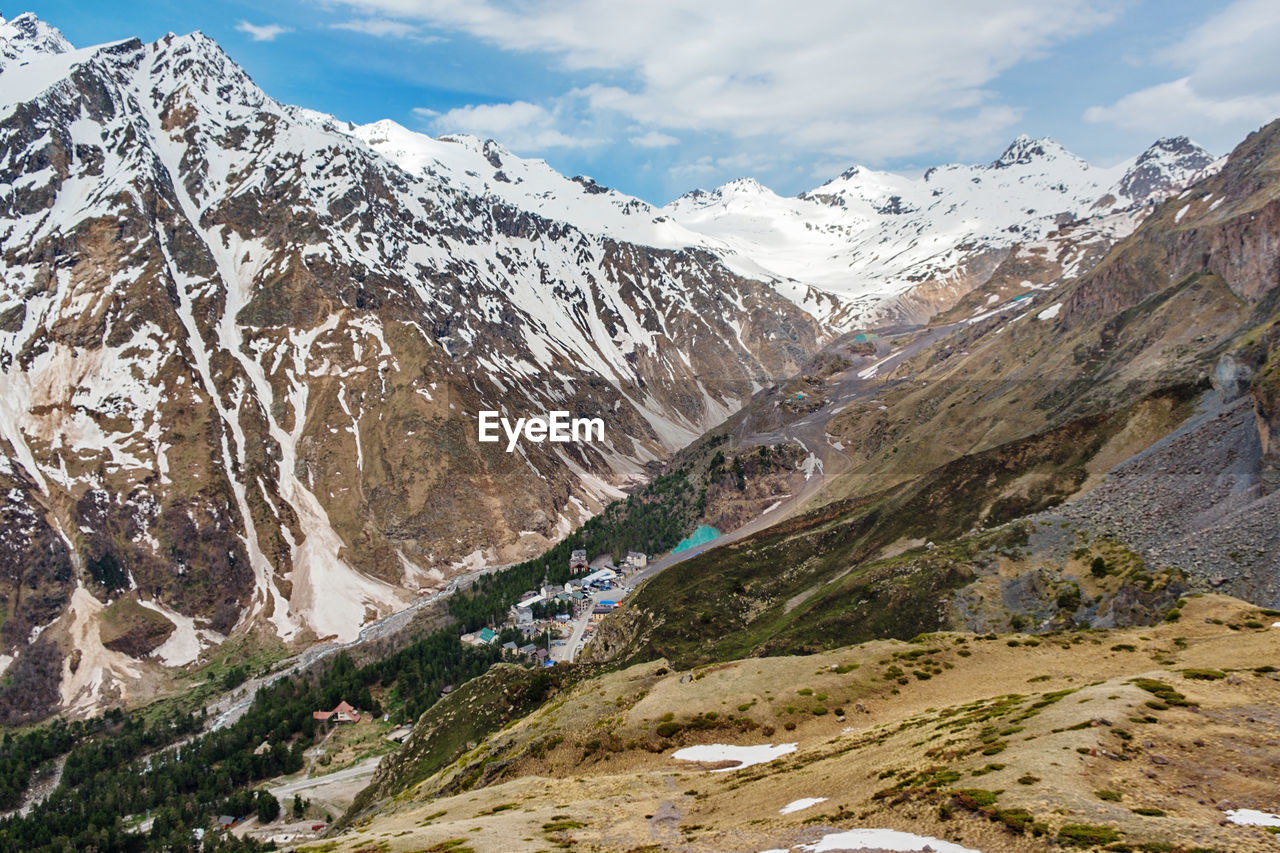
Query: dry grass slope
pixel 1141 736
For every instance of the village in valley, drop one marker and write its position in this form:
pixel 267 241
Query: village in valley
pixel 553 624
pixel 546 626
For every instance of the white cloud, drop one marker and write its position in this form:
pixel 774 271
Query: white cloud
pixel 742 164
pixel 850 78
pixel 653 139
pixel 386 28
pixel 268 32
pixel 1227 78
pixel 519 125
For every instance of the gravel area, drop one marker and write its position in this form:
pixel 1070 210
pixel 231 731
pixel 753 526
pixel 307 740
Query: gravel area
pixel 1194 500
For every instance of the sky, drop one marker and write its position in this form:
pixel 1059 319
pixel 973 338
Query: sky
pixel 659 97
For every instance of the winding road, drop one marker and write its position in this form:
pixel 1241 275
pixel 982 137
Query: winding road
pixel 859 382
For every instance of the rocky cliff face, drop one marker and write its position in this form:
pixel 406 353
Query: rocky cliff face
pixel 1225 229
pixel 243 353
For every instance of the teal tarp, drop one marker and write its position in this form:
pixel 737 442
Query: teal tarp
pixel 705 533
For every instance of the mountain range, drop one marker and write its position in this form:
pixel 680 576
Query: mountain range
pixel 244 343
pixel 1020 599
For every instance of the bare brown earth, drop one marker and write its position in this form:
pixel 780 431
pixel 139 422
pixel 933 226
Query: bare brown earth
pixel 1043 723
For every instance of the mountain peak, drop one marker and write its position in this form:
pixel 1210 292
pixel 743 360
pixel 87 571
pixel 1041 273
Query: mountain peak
pixel 1176 147
pixel 1024 150
pixel 1170 163
pixel 197 59
pixel 737 187
pixel 744 185
pixel 27 35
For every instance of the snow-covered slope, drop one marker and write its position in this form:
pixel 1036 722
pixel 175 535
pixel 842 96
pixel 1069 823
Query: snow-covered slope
pixel 242 353
pixel 485 168
pixel 869 237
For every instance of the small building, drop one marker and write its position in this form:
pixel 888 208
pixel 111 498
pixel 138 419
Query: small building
pixel 509 646
pixel 531 598
pixel 636 560
pixel 578 561
pixel 598 613
pixel 562 617
pixel 599 576
pixel 343 713
pixel 226 821
pixel 483 637
pixel 524 616
pixel 528 649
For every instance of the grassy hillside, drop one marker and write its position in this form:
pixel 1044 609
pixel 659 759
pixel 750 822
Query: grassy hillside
pixel 860 569
pixel 1137 738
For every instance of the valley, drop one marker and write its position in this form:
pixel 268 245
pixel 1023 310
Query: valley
pixel 931 512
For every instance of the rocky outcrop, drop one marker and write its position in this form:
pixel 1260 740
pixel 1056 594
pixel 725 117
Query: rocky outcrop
pixel 1226 227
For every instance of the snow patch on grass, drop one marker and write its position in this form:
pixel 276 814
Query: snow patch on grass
pixel 883 839
pixel 746 756
pixel 802 803
pixel 1252 817
pixel 811 465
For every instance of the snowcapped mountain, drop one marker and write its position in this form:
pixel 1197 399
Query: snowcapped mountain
pixel 243 345
pixel 883 245
pixel 486 168
pixel 243 352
